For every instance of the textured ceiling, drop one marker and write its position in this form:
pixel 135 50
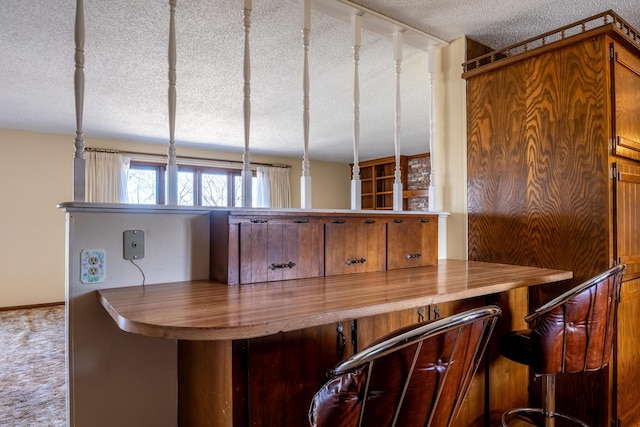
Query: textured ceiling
pixel 126 69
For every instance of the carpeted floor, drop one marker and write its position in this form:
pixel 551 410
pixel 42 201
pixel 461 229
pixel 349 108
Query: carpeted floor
pixel 32 367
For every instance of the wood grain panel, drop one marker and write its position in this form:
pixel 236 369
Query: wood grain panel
pixel 204 383
pixel 539 178
pixel 496 168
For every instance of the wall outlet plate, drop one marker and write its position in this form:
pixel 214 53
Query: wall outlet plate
pixel 93 265
pixel 133 244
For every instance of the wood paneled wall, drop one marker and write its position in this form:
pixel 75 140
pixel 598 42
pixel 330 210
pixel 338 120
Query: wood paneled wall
pixel 539 180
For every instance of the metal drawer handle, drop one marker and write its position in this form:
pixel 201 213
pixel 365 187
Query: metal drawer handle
pixel 397 221
pixel 338 221
pixel 425 220
pixel 301 220
pixel 258 221
pixel 355 261
pixel 369 221
pixel 289 264
pixel 416 255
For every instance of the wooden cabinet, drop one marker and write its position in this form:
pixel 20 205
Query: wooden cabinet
pixel 260 247
pixel 547 187
pixel 626 86
pixel 253 246
pixel 410 243
pixel 627 251
pixel 355 245
pixel 279 249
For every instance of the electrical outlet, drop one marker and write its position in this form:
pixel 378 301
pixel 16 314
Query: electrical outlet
pixel 93 265
pixel 133 244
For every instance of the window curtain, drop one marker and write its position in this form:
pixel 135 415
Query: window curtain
pixel 106 177
pixel 273 187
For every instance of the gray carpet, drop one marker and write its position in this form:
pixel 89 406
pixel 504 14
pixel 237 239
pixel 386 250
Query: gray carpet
pixel 32 367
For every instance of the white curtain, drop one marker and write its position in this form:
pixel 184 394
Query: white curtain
pixel 106 177
pixel 273 187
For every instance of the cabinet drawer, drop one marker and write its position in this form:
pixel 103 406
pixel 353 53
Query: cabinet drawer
pixel 354 245
pixel 412 242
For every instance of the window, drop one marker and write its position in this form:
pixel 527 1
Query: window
pixel 197 186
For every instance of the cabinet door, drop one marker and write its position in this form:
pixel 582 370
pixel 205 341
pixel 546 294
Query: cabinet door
pixel 372 328
pixel 627 237
pixel 275 377
pixel 354 245
pixel 626 69
pixel 412 242
pixel 280 249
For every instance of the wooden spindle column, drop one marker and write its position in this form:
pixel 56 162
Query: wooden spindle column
pixel 78 158
pixel 305 179
pixel 247 175
pixel 397 184
pixel 356 183
pixel 435 204
pixel 172 164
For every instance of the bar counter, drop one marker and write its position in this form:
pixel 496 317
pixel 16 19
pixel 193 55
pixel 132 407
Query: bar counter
pixel 206 310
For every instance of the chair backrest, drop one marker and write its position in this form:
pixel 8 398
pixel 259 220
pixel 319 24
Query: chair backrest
pixel 574 331
pixel 415 376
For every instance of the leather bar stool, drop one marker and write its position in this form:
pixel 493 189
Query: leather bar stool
pixel 415 376
pixel 571 333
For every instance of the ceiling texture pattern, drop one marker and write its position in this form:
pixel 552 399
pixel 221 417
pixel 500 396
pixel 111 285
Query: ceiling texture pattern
pixel 126 69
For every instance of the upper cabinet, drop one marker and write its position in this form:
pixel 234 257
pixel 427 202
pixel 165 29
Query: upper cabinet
pixel 626 84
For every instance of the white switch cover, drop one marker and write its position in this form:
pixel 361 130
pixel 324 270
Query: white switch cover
pixel 93 265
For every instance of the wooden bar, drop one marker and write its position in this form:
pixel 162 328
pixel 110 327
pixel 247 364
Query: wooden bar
pixel 206 310
pixel 220 326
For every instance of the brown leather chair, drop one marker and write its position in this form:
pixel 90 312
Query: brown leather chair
pixel 415 376
pixel 571 333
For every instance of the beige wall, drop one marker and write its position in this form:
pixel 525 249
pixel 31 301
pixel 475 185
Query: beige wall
pixel 35 173
pixel 451 146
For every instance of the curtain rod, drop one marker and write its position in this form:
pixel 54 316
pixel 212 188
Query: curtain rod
pixel 109 150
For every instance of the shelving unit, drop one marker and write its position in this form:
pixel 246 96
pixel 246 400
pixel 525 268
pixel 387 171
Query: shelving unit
pixel 377 177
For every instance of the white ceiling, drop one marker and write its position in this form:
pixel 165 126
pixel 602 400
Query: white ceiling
pixel 126 69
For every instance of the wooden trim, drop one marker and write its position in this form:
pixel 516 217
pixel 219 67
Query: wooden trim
pixel 30 306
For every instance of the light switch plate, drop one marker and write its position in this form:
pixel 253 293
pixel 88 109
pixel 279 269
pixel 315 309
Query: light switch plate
pixel 93 265
pixel 133 244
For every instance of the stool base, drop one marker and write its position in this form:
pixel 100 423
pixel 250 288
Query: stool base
pixel 538 417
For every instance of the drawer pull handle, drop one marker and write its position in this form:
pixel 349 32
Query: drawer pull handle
pixel 355 261
pixel 425 220
pixel 397 221
pixel 301 220
pixel 258 221
pixel 410 256
pixel 289 264
pixel 369 221
pixel 338 221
